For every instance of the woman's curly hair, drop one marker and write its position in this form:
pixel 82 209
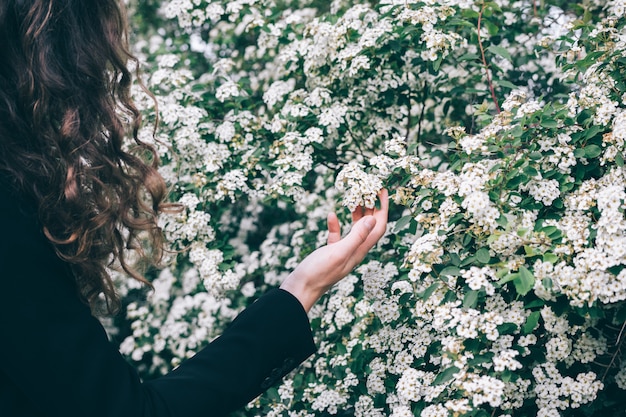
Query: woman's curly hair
pixel 65 109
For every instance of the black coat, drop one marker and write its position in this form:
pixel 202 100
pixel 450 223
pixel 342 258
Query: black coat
pixel 55 359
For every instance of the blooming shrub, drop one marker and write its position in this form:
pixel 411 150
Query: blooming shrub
pixel 499 129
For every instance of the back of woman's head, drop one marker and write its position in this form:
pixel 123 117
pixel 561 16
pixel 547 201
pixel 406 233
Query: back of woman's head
pixel 65 108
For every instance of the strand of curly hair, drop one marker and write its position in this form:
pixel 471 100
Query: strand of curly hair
pixel 65 109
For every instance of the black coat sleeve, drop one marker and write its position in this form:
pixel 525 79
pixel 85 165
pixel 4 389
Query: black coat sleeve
pixel 57 361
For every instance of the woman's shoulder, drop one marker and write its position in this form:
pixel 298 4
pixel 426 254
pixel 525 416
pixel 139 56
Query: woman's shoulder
pixel 22 233
pixel 15 207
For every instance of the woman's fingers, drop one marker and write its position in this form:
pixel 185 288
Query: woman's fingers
pixel 381 216
pixel 360 211
pixel 360 233
pixel 383 196
pixel 329 264
pixel 334 229
pixel 357 214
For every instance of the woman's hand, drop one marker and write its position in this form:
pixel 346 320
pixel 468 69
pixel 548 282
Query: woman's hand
pixel 329 264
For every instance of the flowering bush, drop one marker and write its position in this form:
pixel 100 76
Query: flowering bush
pixel 499 129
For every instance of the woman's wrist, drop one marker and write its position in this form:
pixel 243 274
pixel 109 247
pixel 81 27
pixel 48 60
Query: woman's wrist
pixel 299 288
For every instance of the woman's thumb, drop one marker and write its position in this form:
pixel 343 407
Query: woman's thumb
pixel 361 230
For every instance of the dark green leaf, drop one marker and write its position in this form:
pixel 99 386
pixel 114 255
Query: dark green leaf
pixel 549 123
pixel 507 328
pixel 445 376
pixel 491 27
pixel 402 223
pixel 506 84
pixel 531 322
pixel 429 291
pixel 530 171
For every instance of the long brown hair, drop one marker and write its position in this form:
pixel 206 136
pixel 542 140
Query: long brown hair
pixel 65 108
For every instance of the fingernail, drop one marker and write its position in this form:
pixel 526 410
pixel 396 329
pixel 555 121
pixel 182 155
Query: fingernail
pixel 369 222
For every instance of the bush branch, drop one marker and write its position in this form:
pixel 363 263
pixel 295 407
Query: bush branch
pixel 482 53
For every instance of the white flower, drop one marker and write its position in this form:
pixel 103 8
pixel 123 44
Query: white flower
pixel 360 188
pixel 544 191
pixel 277 91
pixel 227 90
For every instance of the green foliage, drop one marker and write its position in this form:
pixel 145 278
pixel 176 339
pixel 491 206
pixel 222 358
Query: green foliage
pixel 498 129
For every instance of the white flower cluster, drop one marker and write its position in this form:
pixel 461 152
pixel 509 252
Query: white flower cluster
pixel 359 187
pixel 182 326
pixel 193 12
pixel 425 251
pixel 376 278
pixel 557 392
pixel 480 278
pixel 188 225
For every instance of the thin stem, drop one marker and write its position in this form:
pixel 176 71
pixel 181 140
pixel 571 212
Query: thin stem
pixel 618 344
pixel 619 336
pixel 482 53
pixel 419 123
pixel 409 121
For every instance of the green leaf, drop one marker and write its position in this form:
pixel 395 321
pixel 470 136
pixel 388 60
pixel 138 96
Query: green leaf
pixel 470 299
pixel 552 232
pixel 429 291
pixel 619 159
pixel 402 223
pixel 592 131
pixel 515 181
pixel 549 123
pixel 502 221
pixel 508 278
pixel 468 261
pixel 450 271
pixel 469 14
pixel 500 51
pixel 478 359
pixel 437 63
pixel 273 395
pixel 547 283
pixel 530 251
pixel 507 328
pixel 530 171
pixel 579 153
pixel 525 281
pixel 517 131
pixel 592 151
pixel 492 28
pixel 535 304
pixel 507 84
pixel 531 322
pixel 482 255
pixel 445 376
pixel 550 257
pixel 469 57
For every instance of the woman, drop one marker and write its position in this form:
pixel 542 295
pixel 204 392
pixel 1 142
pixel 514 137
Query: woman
pixel 72 200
